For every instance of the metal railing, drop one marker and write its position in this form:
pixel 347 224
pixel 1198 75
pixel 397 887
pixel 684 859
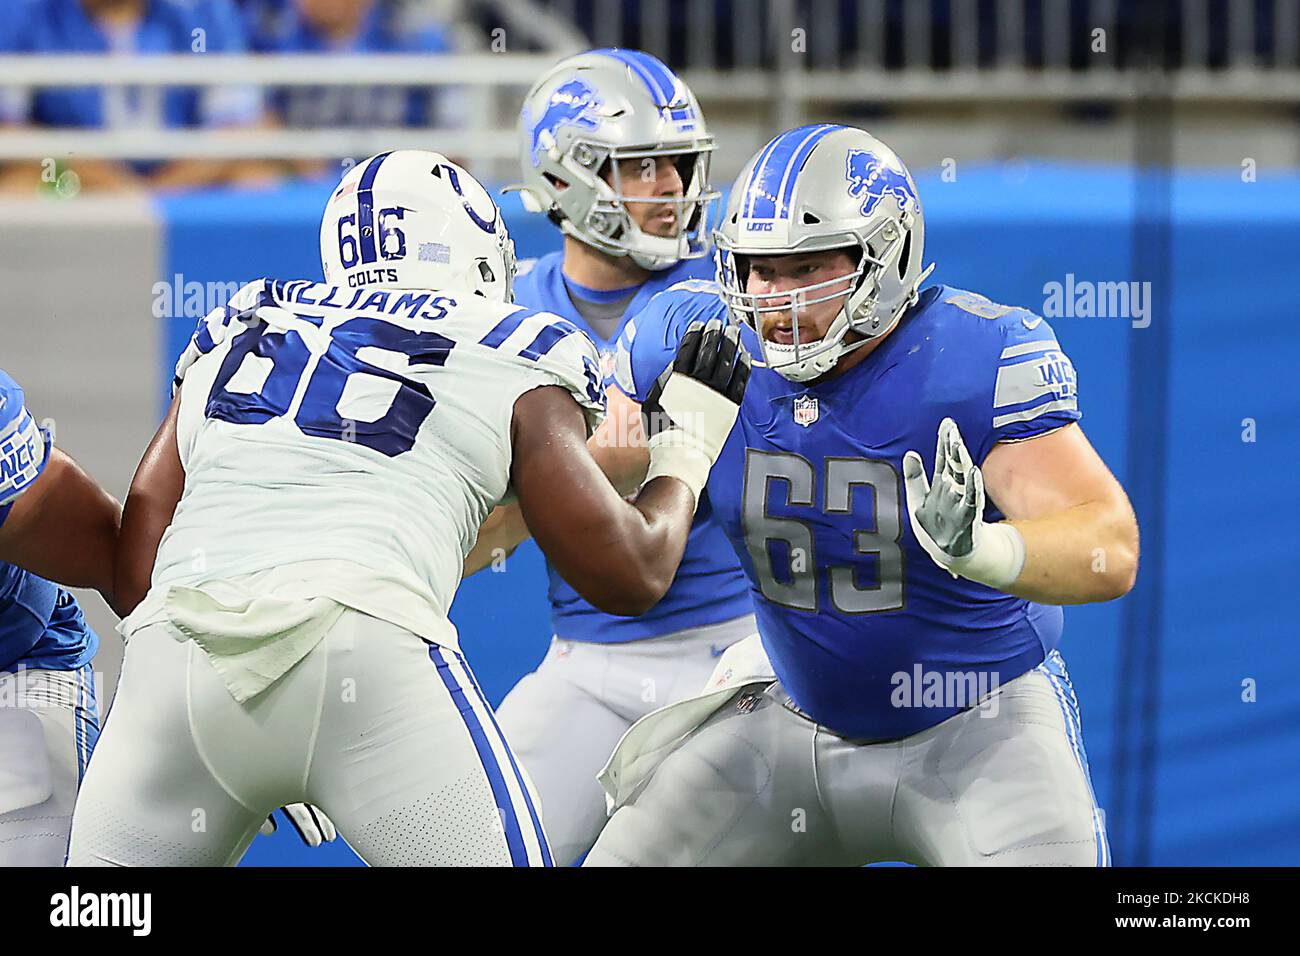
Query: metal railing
pixel 487 137
pixel 785 58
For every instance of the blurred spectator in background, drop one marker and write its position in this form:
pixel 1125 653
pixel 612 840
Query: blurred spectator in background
pixel 350 26
pixel 125 27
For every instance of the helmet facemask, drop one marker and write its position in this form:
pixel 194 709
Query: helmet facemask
pixel 801 360
pixel 609 225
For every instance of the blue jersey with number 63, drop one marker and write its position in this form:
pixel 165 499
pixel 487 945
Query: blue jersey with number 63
pixel 867 634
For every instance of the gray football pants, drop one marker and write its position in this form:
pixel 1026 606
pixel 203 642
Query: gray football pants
pixel 758 784
pixel 564 719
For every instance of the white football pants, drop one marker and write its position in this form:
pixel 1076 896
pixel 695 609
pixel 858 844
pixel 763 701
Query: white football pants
pixel 48 725
pixel 386 733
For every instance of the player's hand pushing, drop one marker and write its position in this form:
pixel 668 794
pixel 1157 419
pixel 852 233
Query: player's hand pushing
pixel 622 557
pixel 692 407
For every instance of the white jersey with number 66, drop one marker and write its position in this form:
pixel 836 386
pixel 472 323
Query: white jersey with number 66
pixel 368 429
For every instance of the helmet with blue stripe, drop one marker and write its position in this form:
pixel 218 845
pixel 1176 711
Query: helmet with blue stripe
pixel 813 189
pixel 413 219
pixel 590 112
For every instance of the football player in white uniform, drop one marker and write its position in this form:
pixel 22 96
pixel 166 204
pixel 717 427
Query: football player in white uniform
pixel 295 533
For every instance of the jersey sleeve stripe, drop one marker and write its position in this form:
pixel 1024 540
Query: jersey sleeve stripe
pixel 22 457
pixel 1048 374
pixel 1059 405
pixel 1029 348
pixel 546 339
pixel 503 329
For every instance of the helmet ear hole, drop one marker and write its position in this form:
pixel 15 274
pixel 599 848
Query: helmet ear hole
pixel 906 255
pixel 810 220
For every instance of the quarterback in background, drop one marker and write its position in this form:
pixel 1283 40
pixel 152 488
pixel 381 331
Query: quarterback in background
pixel 295 533
pixel 911 703
pixel 56 524
pixel 616 152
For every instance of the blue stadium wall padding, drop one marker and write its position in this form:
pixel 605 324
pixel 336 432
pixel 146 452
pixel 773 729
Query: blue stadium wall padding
pixel 1224 733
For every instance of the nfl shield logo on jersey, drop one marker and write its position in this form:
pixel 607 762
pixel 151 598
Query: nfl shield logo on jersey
pixel 805 410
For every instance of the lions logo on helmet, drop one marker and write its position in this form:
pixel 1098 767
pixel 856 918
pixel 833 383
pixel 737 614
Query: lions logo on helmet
pixel 571 105
pixel 874 178
pixel 791 199
pixel 589 114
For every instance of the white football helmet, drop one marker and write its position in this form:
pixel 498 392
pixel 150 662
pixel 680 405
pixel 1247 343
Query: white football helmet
pixel 413 219
pixel 599 107
pixel 816 188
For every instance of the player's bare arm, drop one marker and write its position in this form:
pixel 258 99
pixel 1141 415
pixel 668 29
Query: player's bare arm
pixel 1070 536
pixel 64 528
pixel 622 556
pixel 618 448
pixel 1080 533
pixel 150 504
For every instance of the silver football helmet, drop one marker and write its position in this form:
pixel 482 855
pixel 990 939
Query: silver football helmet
pixel 595 109
pixel 816 188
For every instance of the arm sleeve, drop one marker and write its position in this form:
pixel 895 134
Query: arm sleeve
pixel 649 341
pixel 24 446
pixel 1034 388
pixel 556 352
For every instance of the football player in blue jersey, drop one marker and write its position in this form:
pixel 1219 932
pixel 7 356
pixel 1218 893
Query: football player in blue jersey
pixel 912 704
pixel 55 523
pixel 616 153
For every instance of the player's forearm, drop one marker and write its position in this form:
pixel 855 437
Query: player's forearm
pixel 622 456
pixel 635 562
pixel 65 529
pixel 143 522
pixel 1082 555
pixel 150 506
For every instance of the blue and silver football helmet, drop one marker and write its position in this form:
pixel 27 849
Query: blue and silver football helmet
pixel 600 107
pixel 812 189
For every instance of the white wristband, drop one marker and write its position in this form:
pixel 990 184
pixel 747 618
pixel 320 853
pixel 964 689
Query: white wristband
pixel 702 419
pixel 678 459
pixel 997 559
